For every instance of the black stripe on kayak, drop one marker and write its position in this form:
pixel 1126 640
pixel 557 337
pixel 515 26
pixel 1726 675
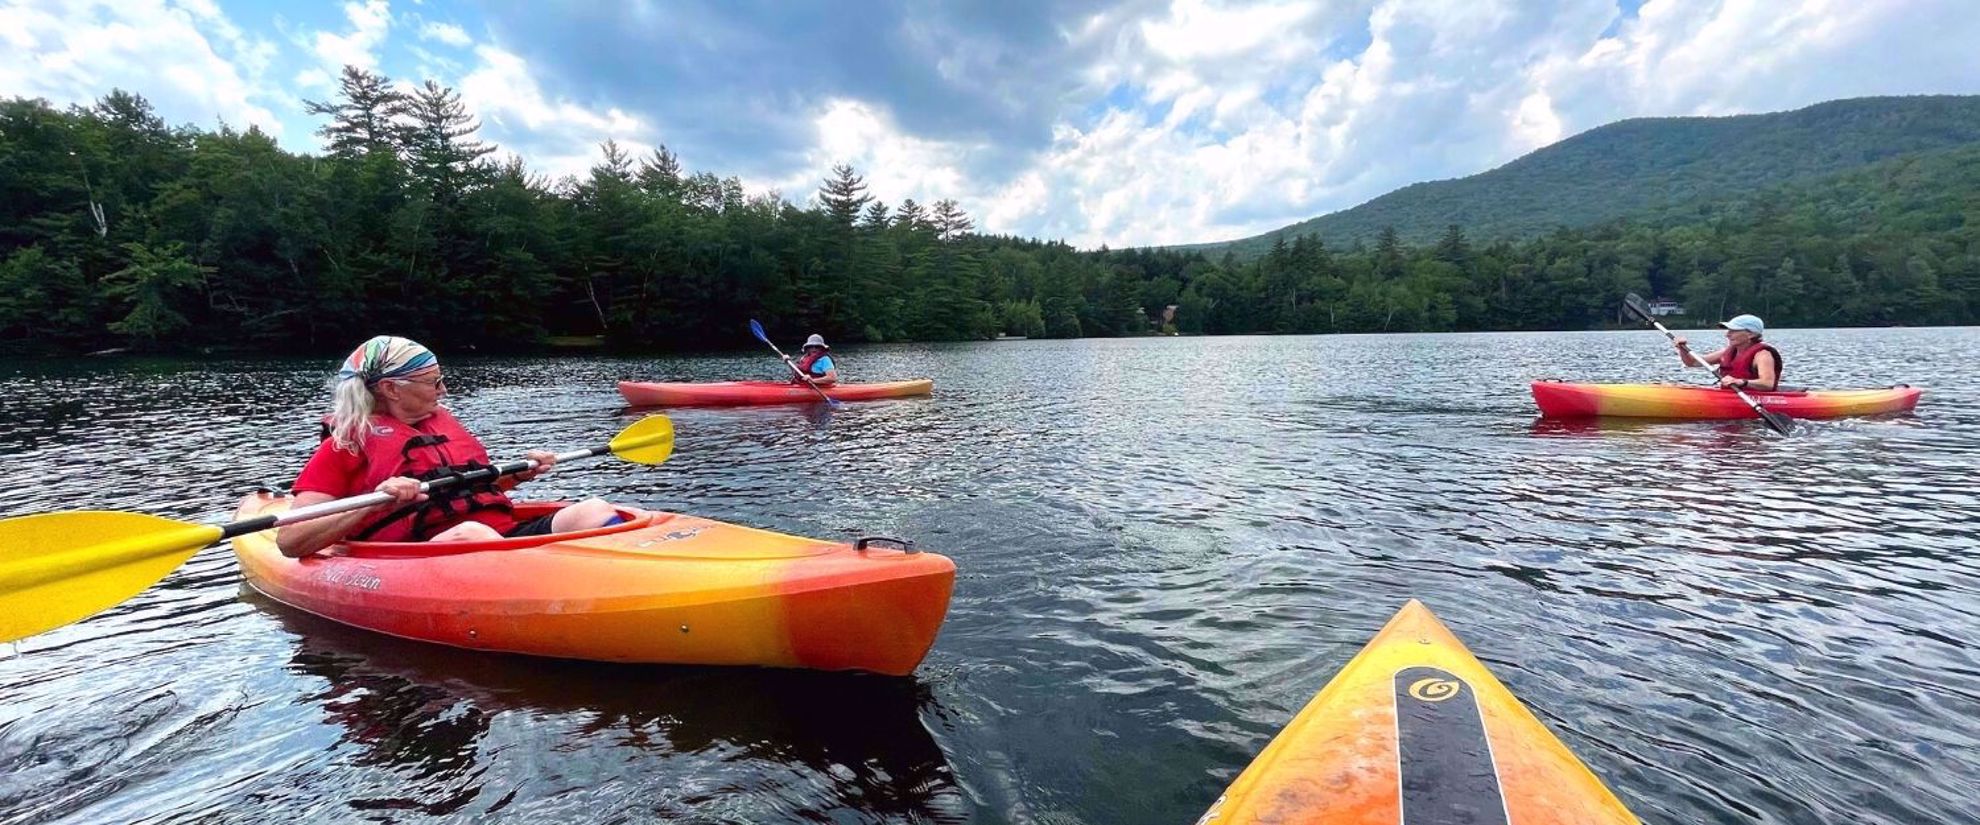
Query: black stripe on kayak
pixel 1448 775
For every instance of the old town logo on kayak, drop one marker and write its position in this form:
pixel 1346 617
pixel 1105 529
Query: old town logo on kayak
pixel 1433 690
pixel 360 578
pixel 676 535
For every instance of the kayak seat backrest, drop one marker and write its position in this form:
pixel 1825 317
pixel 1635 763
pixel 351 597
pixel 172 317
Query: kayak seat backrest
pixel 633 520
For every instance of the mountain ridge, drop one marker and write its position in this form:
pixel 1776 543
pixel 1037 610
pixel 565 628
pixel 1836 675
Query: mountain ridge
pixel 1640 165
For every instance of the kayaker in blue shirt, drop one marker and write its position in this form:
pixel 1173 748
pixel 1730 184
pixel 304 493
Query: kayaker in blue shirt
pixel 816 363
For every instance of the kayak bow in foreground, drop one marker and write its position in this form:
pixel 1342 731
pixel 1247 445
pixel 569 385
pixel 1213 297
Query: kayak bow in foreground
pixel 1415 731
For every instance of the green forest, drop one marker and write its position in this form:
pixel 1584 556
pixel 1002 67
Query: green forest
pixel 117 230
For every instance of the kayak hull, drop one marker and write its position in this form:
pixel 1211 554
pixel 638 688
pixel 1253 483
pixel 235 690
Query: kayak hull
pixel 1564 400
pixel 661 588
pixel 1415 729
pixel 744 393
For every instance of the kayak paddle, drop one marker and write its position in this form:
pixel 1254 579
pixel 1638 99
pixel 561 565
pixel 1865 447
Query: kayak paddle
pixel 57 568
pixel 765 338
pixel 1637 307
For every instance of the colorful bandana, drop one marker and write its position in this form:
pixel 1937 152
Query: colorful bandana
pixel 388 356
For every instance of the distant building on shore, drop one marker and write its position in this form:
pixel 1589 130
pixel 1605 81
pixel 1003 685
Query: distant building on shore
pixel 1666 306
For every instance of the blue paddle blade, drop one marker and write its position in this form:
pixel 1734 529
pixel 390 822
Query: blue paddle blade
pixel 757 328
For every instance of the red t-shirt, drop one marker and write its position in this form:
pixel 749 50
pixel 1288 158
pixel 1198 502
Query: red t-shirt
pixel 337 473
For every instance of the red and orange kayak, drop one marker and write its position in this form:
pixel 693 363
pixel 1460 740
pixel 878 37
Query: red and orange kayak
pixel 741 393
pixel 1563 400
pixel 660 588
pixel 1415 730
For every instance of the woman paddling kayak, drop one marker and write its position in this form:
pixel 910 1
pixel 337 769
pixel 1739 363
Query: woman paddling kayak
pixel 1747 362
pixel 387 432
pixel 816 363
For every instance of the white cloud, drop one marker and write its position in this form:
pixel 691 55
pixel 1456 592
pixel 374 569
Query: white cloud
pixel 1196 28
pixel 555 136
pixel 370 21
pixel 447 33
pixel 896 166
pixel 171 53
pixel 1746 56
pixel 1223 140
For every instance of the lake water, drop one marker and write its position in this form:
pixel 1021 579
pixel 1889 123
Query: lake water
pixel 1165 547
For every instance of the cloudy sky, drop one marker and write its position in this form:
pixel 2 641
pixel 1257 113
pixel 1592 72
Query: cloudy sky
pixel 1123 122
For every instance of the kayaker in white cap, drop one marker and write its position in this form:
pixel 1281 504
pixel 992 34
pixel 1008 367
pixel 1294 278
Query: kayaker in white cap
pixel 816 363
pixel 1747 362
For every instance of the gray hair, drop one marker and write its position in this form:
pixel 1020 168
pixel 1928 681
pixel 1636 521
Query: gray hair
pixel 350 412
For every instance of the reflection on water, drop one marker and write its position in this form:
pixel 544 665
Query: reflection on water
pixel 1165 546
pixel 441 722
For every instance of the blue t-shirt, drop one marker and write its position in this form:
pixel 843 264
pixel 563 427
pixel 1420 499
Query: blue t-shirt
pixel 821 366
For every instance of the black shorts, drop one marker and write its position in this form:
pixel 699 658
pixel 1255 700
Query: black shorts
pixel 539 526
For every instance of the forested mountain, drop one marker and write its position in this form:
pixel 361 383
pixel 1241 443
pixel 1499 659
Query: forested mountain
pixel 117 230
pixel 1633 166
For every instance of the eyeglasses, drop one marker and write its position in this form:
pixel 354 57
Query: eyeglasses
pixel 438 384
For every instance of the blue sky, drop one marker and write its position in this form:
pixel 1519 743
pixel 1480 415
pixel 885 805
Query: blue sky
pixel 1123 123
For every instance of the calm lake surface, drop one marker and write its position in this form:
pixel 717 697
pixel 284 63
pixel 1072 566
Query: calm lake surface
pixel 1165 547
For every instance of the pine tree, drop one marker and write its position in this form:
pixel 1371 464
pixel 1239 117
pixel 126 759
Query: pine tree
pixel 950 221
pixel 843 195
pixel 661 174
pixel 368 118
pixel 439 141
pixel 911 216
pixel 1389 254
pixel 1454 248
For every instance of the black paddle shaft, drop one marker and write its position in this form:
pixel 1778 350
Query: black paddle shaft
pixel 345 505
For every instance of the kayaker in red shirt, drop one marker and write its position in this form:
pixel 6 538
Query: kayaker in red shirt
pixel 387 432
pixel 816 363
pixel 1747 362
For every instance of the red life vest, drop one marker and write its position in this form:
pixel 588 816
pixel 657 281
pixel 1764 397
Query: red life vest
pixel 805 361
pixel 1740 364
pixel 437 446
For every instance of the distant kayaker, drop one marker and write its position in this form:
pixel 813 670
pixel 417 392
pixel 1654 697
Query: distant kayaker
pixel 387 432
pixel 1747 362
pixel 816 363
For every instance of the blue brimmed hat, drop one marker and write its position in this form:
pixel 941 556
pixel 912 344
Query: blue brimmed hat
pixel 1750 323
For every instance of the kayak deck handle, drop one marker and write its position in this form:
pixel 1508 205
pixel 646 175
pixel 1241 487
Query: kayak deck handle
pixel 906 545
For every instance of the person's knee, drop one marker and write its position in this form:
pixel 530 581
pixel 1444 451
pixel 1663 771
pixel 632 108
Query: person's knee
pixel 584 515
pixel 468 531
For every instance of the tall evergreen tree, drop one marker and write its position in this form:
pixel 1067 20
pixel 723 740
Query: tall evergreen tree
pixel 440 144
pixel 368 116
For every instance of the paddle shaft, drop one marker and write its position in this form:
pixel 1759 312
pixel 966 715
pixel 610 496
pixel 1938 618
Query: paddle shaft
pixel 765 338
pixel 345 505
pixel 57 568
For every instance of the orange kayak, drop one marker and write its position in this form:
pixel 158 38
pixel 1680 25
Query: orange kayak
pixel 1415 730
pixel 1563 400
pixel 660 588
pixel 741 393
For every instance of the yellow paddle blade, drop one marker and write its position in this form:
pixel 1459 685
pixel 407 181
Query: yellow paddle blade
pixel 648 441
pixel 57 568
